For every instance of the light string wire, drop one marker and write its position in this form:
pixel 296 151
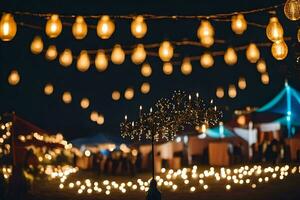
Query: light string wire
pixel 152 16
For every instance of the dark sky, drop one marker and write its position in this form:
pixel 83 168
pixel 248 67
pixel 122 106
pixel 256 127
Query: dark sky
pixel 50 113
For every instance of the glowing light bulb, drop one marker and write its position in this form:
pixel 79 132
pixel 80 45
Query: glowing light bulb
pixel 8 27
pixel 14 77
pixel 166 51
pixel 206 60
pixel 105 27
pixel 139 54
pixel 279 50
pixel 207 41
pixel 101 61
pixel 100 119
pixel 230 56
pixel 292 9
pixel 94 116
pixel 274 30
pixel 129 93
pixel 186 67
pixel 117 55
pixel 48 89
pixel 83 62
pixel 232 91
pixel 261 66
pixel 37 45
pixel 67 97
pixel 168 68
pixel 145 88
pixel 265 79
pixel 238 24
pixel 51 53
pixel 53 26
pixel 205 30
pixel 66 58
pixel 146 70
pixel 252 53
pixel 220 92
pixel 242 83
pixel 138 27
pixel 85 103
pixel 79 28
pixel 115 95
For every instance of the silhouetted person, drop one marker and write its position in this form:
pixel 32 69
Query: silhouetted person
pixel 17 186
pixel 153 193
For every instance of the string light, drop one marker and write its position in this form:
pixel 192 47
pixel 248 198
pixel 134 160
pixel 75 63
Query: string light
pixel 105 27
pixel 117 55
pixel 207 41
pixel 37 45
pixel 101 61
pixel 166 51
pixel 205 30
pixel 232 91
pixel 261 66
pixel 274 30
pixel 100 119
pixel 292 10
pixel 51 53
pixel 242 83
pixel 167 68
pixel 206 60
pixel 186 66
pixel 279 50
pixel 145 88
pixel 238 24
pixel 83 62
pixel 139 27
pixel 14 77
pixel 94 116
pixel 8 27
pixel 220 92
pixel 115 95
pixel 53 26
pixel 48 89
pixel 252 53
pixel 298 35
pixel 139 54
pixel 66 58
pixel 265 79
pixel 230 56
pixel 67 97
pixel 79 28
pixel 85 103
pixel 129 93
pixel 146 70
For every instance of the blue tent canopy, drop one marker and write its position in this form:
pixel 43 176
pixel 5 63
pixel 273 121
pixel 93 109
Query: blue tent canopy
pixel 219 132
pixel 287 104
pixel 98 139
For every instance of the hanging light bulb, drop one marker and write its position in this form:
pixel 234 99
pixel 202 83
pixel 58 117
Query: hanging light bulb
pixel 115 95
pixel 48 89
pixel 66 58
pixel 279 50
pixel 274 30
pixel 230 56
pixel 129 93
pixel 85 103
pixel 37 45
pixel 105 27
pixel 186 67
pixel 206 60
pixel 139 27
pixel 298 35
pixel 220 92
pixel 83 62
pixel 94 116
pixel 14 77
pixel 168 68
pixel 292 9
pixel 238 24
pixel 100 119
pixel 145 88
pixel 166 51
pixel 51 53
pixel 261 66
pixel 232 91
pixel 139 54
pixel 8 27
pixel 79 28
pixel 146 70
pixel 252 53
pixel 53 26
pixel 205 30
pixel 67 97
pixel 242 83
pixel 265 79
pixel 207 41
pixel 101 61
pixel 117 55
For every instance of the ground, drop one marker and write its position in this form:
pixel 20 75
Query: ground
pixel 275 189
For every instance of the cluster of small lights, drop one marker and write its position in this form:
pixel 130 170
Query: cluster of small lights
pixel 5 135
pixel 6 171
pixel 188 179
pixel 170 115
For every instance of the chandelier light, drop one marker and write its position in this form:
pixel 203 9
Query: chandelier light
pixel 105 27
pixel 138 27
pixel 79 28
pixel 8 27
pixel 53 26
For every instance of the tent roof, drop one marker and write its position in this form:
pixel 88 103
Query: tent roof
pixel 100 138
pixel 219 132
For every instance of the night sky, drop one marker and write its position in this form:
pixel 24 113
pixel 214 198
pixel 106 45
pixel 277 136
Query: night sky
pixel 50 113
